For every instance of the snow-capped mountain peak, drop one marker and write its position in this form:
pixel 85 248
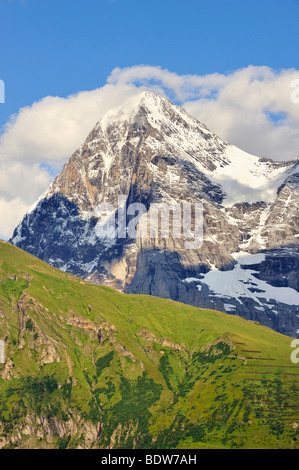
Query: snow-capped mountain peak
pixel 150 151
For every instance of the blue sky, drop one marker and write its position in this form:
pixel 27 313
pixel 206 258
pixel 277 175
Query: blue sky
pixel 232 64
pixel 59 47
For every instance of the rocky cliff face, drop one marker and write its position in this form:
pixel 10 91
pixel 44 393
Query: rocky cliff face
pixel 152 152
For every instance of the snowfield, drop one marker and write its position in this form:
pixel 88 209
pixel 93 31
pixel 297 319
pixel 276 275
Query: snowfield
pixel 241 282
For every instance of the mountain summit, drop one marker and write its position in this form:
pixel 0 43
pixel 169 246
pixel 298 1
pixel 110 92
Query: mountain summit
pixel 150 152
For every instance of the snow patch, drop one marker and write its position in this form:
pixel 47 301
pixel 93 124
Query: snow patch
pixel 241 282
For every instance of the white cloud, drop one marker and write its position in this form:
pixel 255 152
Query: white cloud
pixel 42 137
pixel 242 110
pixel 20 185
pixel 11 213
pixel 238 106
pixel 183 87
pixel 50 130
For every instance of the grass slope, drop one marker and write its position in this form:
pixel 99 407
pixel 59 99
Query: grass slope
pixel 87 366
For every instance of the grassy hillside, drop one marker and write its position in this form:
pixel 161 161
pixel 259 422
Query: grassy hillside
pixel 87 366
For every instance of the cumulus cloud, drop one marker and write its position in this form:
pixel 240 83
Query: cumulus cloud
pixel 20 186
pixel 254 111
pixel 50 130
pixel 251 108
pixel 182 87
pixel 39 139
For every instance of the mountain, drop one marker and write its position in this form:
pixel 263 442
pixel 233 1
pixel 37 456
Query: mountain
pixel 151 152
pixel 89 367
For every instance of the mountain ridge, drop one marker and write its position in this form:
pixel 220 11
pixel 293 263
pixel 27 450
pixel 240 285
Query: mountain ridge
pixel 89 367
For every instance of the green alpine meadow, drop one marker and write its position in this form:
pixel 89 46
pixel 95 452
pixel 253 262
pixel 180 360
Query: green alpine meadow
pixel 88 367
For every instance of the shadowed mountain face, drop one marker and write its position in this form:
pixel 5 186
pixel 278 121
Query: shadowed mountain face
pixel 151 152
